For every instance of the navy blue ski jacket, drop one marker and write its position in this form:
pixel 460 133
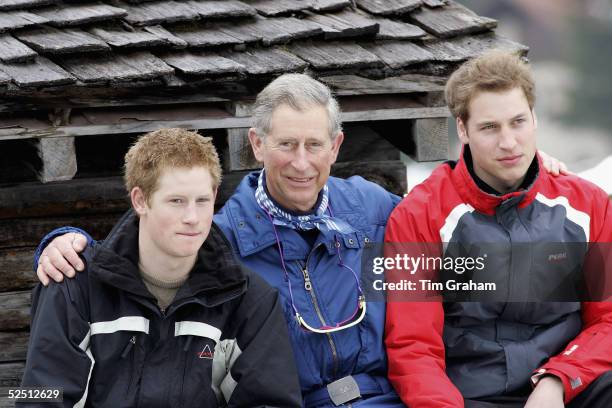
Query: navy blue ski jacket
pixel 101 337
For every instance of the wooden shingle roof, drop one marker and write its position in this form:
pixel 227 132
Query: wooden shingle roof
pixel 70 44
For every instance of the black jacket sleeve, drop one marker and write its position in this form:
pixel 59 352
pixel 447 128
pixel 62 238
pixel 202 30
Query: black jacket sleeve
pixel 58 354
pixel 263 370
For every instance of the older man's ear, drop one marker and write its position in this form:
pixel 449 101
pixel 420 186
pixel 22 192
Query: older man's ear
pixel 336 145
pixel 256 144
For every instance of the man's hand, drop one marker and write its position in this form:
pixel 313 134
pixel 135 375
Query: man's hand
pixel 60 258
pixel 553 165
pixel 547 394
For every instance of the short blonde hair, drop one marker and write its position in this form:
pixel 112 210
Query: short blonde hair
pixel 494 71
pixel 168 148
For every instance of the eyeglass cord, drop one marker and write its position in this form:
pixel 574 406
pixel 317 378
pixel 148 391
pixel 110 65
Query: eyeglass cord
pixel 340 263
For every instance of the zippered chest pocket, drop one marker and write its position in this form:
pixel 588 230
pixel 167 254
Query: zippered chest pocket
pixel 119 359
pixel 195 342
pixel 195 373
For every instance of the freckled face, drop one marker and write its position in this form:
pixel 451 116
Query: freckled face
pixel 178 216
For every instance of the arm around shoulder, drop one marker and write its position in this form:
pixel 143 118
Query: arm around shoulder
pixel 54 234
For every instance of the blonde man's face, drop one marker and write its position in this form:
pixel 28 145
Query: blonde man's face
pixel 501 133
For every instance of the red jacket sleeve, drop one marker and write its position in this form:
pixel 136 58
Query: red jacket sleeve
pixel 413 331
pixel 589 355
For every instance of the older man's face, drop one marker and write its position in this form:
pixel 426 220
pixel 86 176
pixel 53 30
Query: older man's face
pixel 297 154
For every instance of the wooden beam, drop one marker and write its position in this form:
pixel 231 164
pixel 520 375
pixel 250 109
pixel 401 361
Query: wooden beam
pixel 118 128
pixel 143 126
pixel 22 233
pixel 346 85
pixel 96 98
pixel 391 175
pixel 431 139
pixel 15 310
pixel 13 346
pixel 394 114
pixel 80 196
pixel 17 270
pixel 10 376
pixel 58 157
pixel 239 148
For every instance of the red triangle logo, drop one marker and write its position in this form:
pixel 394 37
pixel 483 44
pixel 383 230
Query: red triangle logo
pixel 206 353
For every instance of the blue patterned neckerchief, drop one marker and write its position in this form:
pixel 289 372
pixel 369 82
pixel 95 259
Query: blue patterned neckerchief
pixel 316 220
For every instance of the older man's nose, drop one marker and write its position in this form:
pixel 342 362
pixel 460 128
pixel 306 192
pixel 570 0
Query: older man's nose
pixel 300 160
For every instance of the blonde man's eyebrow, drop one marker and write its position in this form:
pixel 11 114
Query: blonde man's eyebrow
pixel 520 115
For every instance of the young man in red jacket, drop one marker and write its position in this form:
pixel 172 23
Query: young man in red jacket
pixel 517 349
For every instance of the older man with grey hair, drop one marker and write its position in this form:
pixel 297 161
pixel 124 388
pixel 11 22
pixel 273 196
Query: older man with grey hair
pixel 304 232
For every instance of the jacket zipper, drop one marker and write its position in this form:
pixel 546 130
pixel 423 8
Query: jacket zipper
pixel 135 365
pixel 128 347
pixel 313 297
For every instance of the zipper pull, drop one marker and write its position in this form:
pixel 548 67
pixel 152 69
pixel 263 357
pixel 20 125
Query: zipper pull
pixel 307 283
pixel 129 346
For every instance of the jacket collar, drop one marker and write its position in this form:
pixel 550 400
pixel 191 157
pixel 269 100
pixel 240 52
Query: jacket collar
pixel 216 276
pixel 254 231
pixel 485 202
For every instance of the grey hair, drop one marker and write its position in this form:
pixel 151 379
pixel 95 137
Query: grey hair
pixel 298 91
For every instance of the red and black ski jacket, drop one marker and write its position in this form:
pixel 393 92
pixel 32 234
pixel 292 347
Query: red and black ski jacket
pixel 440 352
